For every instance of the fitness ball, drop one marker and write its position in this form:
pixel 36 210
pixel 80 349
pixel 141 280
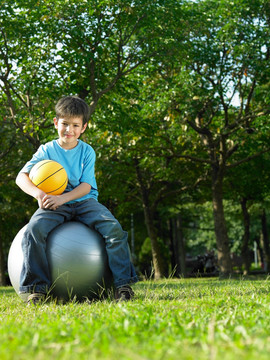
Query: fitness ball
pixel 77 260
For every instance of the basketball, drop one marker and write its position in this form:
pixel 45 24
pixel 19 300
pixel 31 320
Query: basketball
pixel 49 176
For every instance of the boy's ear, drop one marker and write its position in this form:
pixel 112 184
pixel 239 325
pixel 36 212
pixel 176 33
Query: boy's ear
pixel 84 128
pixel 55 122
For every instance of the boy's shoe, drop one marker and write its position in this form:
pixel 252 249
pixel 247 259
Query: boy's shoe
pixel 35 299
pixel 124 293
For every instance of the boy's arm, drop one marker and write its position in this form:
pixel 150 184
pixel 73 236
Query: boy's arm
pixel 23 181
pixel 54 201
pixel 47 201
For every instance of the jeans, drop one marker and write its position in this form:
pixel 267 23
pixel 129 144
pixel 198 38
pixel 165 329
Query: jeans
pixel 35 274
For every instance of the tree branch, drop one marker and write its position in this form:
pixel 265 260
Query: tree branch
pixel 248 158
pixel 163 194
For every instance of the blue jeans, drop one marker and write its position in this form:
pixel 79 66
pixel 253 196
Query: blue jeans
pixel 35 274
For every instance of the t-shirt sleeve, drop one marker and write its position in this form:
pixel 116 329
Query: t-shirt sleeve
pixel 38 156
pixel 88 174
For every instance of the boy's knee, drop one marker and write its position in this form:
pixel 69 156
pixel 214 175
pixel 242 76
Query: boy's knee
pixel 36 228
pixel 116 232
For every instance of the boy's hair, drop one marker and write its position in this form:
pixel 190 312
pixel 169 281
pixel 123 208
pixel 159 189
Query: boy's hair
pixel 70 106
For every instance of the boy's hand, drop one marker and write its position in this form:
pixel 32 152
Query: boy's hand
pixel 39 196
pixel 52 202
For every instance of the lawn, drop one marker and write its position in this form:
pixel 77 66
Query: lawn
pixel 170 319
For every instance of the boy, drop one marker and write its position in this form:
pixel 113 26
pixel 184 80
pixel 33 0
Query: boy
pixel 78 202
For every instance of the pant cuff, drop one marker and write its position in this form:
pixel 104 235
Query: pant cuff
pixel 121 283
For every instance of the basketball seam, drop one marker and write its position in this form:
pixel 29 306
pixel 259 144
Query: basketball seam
pixel 50 176
pixel 44 163
pixel 65 182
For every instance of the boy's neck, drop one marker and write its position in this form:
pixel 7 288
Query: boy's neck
pixel 67 146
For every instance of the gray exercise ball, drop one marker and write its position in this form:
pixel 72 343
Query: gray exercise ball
pixel 77 259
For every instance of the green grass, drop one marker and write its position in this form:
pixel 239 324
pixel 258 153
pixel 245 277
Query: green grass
pixel 170 319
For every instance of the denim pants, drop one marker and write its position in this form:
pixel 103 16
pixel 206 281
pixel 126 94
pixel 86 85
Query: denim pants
pixel 35 274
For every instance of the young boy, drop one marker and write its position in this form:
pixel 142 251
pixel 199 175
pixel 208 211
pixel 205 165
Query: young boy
pixel 79 202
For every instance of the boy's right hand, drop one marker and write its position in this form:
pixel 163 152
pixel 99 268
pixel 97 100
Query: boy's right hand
pixel 39 196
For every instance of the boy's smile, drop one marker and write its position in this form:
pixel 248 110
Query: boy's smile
pixel 69 130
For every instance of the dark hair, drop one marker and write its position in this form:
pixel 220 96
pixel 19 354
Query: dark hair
pixel 70 106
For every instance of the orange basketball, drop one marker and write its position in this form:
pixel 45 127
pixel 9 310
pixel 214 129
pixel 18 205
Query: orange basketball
pixel 49 176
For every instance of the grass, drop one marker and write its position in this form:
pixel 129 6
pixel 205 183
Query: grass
pixel 171 319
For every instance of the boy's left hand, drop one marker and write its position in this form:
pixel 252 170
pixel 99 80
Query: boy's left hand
pixel 52 202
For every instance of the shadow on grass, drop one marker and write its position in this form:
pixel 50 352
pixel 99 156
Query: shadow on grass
pixel 167 289
pixel 7 290
pixel 201 280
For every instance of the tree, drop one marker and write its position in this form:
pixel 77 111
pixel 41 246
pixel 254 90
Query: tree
pixel 198 84
pixel 227 57
pixel 247 185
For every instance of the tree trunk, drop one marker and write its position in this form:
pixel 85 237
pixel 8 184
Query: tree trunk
pixel 222 240
pixel 246 237
pixel 158 261
pixel 178 247
pixel 260 251
pixel 265 241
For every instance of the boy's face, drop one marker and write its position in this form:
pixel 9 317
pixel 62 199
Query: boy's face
pixel 69 130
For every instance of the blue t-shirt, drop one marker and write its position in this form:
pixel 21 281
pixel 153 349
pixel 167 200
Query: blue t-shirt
pixel 78 162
